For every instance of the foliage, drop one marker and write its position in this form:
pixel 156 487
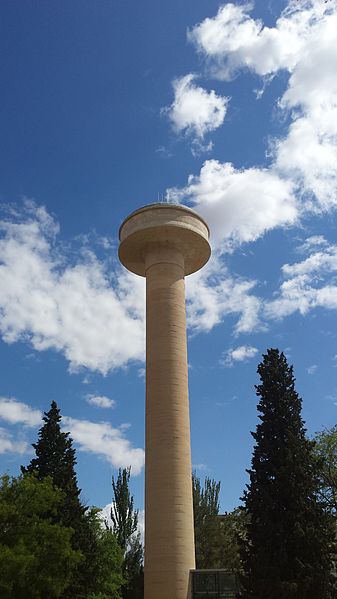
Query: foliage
pixel 107 561
pixel 216 535
pixel 286 553
pixel 55 458
pixel 233 529
pixel 207 524
pixel 36 556
pixel 125 523
pixel 325 449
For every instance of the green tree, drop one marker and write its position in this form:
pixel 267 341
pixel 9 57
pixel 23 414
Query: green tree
pixel 287 550
pixel 207 524
pixel 108 560
pixel 325 449
pixel 36 556
pixel 125 525
pixel 56 458
pixel 232 531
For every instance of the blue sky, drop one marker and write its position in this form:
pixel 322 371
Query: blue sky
pixel 228 108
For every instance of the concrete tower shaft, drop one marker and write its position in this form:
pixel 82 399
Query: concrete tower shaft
pixel 164 242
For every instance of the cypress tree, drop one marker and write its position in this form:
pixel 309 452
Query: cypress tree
pixel 55 457
pixel 286 554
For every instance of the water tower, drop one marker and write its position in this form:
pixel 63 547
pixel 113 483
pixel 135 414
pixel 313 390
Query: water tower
pixel 164 243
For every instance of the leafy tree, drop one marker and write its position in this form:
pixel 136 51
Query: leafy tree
pixel 125 524
pixel 207 524
pixel 325 449
pixel 55 458
pixel 286 553
pixel 36 556
pixel 233 530
pixel 216 535
pixel 108 560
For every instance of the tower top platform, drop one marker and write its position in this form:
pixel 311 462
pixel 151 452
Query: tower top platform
pixel 164 225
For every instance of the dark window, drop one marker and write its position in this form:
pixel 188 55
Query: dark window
pixel 214 584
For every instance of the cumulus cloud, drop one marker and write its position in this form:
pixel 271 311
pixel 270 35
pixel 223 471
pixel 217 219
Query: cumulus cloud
pixel 100 401
pixel 239 205
pixel 51 301
pixel 213 294
pixel 234 40
pixel 303 42
pixel 96 320
pixel 15 412
pixel 100 438
pixel 310 283
pixel 194 110
pixel 243 353
pixel 8 445
pixel 105 515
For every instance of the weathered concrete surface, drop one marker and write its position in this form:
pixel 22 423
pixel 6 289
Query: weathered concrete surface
pixel 163 243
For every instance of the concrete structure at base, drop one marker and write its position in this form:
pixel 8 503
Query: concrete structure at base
pixel 165 242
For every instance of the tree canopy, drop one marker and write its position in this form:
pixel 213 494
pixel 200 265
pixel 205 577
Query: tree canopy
pixel 125 525
pixel 325 449
pixel 207 526
pixel 36 554
pixel 56 458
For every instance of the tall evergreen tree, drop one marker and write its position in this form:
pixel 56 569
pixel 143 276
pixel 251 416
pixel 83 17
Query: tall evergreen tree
pixel 286 554
pixel 55 457
pixel 125 524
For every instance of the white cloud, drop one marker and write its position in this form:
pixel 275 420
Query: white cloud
pixel 8 445
pixel 94 319
pixel 15 412
pixel 100 438
pixel 100 401
pixel 105 515
pixel 213 294
pixel 239 205
pixel 194 110
pixel 312 369
pixel 302 42
pixel 243 353
pixel 309 284
pixel 233 40
pixel 308 155
pixel 312 242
